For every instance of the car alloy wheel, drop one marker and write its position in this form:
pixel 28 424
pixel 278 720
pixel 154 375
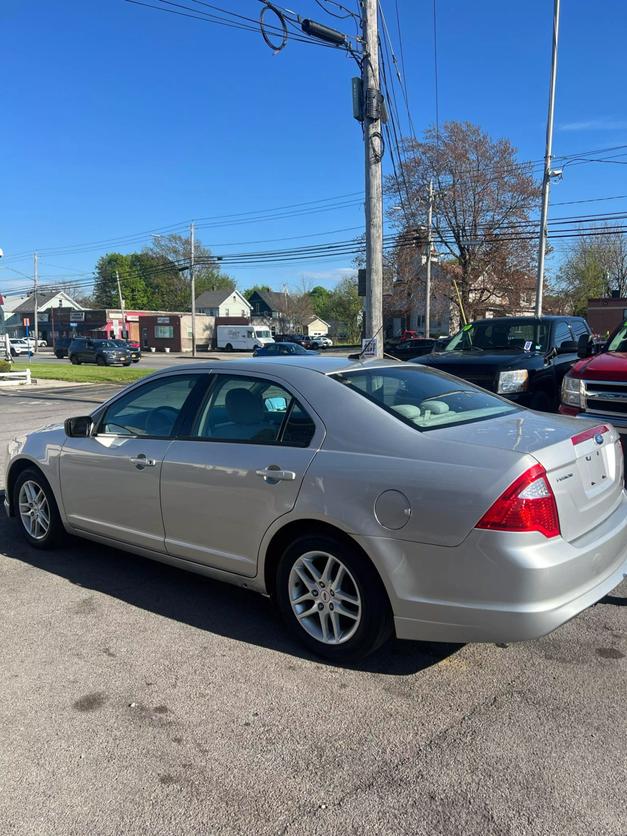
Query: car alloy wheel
pixel 332 598
pixel 34 510
pixel 325 597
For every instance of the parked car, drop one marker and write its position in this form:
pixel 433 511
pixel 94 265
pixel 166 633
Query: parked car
pixel 61 346
pixel 242 337
pixel 31 341
pixel 101 352
pixel 321 341
pixel 368 499
pixel 408 349
pixel 596 386
pixel 133 347
pixel 281 349
pixel 523 358
pixel 19 346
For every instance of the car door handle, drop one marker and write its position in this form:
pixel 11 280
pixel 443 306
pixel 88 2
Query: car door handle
pixel 272 474
pixel 141 461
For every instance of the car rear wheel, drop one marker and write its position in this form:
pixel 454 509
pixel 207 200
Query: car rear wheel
pixel 36 510
pixel 332 598
pixel 228 347
pixel 74 359
pixel 100 361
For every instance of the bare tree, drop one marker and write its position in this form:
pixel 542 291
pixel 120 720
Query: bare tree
pixel 595 265
pixel 482 196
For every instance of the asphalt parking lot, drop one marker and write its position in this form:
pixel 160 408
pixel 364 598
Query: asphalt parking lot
pixel 141 699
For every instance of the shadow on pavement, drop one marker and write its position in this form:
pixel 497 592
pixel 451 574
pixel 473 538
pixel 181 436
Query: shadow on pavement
pixel 198 601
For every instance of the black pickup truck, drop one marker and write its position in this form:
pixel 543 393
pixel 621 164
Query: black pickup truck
pixel 522 358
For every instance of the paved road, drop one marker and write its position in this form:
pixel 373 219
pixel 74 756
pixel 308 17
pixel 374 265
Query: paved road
pixel 140 699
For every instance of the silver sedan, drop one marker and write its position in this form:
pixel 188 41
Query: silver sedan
pixel 368 499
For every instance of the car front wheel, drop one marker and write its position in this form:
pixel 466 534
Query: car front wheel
pixel 332 598
pixel 36 510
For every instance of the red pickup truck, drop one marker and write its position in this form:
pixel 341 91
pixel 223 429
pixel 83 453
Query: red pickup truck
pixel 596 386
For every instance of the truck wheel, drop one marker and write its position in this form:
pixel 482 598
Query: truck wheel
pixel 228 347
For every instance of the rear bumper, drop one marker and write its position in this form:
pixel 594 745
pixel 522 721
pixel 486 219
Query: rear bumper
pixel 499 586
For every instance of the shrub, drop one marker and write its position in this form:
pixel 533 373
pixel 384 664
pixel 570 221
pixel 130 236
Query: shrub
pixel 5 366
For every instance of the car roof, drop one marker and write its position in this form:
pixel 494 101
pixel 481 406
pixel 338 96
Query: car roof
pixel 311 362
pixel 527 318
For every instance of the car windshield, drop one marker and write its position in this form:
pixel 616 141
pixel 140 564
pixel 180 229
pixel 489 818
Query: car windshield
pixel 619 341
pixel 263 333
pixel 501 335
pixel 424 398
pixel 106 344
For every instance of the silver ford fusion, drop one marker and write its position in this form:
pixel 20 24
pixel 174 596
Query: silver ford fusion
pixel 368 499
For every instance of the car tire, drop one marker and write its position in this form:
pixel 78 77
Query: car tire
pixel 100 361
pixel 319 569
pixel 228 347
pixel 36 510
pixel 127 364
pixel 136 361
pixel 74 360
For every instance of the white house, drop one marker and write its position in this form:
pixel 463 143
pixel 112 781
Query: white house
pixel 20 308
pixel 224 303
pixel 316 327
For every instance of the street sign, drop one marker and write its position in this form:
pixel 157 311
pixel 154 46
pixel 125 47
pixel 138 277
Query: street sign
pixel 369 347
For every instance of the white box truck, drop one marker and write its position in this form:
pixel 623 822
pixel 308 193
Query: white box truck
pixel 243 337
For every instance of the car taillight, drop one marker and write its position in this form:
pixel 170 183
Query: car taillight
pixel 527 505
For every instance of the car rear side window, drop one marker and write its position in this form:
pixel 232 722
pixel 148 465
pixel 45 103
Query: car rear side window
pixel 423 398
pixel 253 410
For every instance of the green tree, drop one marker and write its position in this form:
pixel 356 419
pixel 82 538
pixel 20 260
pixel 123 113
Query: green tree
pixel 594 265
pixel 320 297
pixel 135 291
pixel 176 249
pixel 345 306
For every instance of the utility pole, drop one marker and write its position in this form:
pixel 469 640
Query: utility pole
pixel 117 277
pixel 372 104
pixel 546 181
pixel 36 283
pixel 429 245
pixel 192 279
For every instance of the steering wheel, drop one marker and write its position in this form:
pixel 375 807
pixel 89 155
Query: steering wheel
pixel 161 420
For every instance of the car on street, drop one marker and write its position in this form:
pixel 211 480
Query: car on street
pixel 367 499
pixel 523 358
pixel 321 341
pixel 281 349
pixel 133 347
pixel 31 341
pixel 408 349
pixel 101 352
pixel 595 388
pixel 19 346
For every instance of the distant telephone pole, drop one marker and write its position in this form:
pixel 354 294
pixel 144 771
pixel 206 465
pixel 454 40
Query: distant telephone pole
pixel 427 328
pixel 546 181
pixel 36 305
pixel 117 278
pixel 372 104
pixel 192 279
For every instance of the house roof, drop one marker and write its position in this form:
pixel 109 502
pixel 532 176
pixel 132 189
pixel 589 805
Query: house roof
pixel 319 318
pixel 274 299
pixel 214 298
pixel 43 298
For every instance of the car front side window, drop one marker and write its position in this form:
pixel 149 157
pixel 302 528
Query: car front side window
pixel 153 409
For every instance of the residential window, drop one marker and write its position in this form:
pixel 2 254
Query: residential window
pixel 164 332
pixel 226 312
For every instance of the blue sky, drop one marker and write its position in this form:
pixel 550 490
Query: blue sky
pixel 116 119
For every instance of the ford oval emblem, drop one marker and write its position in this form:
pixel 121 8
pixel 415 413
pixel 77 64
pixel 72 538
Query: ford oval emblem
pixel 598 438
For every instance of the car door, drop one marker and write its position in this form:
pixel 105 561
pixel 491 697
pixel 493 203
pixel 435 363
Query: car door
pixel 110 480
pixel 562 362
pixel 239 470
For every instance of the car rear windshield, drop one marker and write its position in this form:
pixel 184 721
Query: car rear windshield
pixel 424 398
pixel 502 335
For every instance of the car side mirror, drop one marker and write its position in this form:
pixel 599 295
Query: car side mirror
pixel 567 347
pixel 585 346
pixel 78 427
